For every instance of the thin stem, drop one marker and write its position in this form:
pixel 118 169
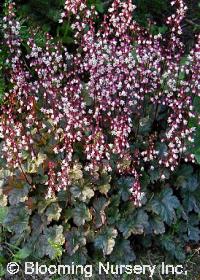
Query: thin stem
pixel 24 173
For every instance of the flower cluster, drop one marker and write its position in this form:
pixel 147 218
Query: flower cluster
pixel 73 7
pixel 107 99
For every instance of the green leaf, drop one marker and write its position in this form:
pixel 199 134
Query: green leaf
pixel 2 270
pixel 74 240
pixel 25 154
pixel 63 196
pixel 103 184
pixel 99 6
pixel 68 214
pixel 162 29
pixel 161 148
pixel 154 175
pixel 189 229
pixel 113 211
pixel 106 240
pixel 145 180
pixel 3 200
pixel 39 244
pixel 124 185
pixel 22 254
pixel 134 223
pixel 197 157
pixel 104 189
pixel 164 205
pixel 157 225
pixel 99 206
pixel 4 174
pixel 43 204
pixel 190 193
pixel 191 184
pixel 33 165
pixel 184 60
pixel 76 172
pixel 168 243
pixel 193 227
pixel 53 212
pixel 3 214
pixel 17 219
pixel 182 173
pixel 180 254
pixel 41 158
pixel 81 214
pixel 54 239
pixel 79 257
pixel 82 192
pixel 175 249
pixel 17 195
pixel 181 76
pixel 194 233
pixel 122 253
pixel 145 125
pixel 37 225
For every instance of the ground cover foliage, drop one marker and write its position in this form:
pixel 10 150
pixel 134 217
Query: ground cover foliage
pixel 99 128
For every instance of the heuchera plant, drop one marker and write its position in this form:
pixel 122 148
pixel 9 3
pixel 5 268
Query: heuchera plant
pixel 120 103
